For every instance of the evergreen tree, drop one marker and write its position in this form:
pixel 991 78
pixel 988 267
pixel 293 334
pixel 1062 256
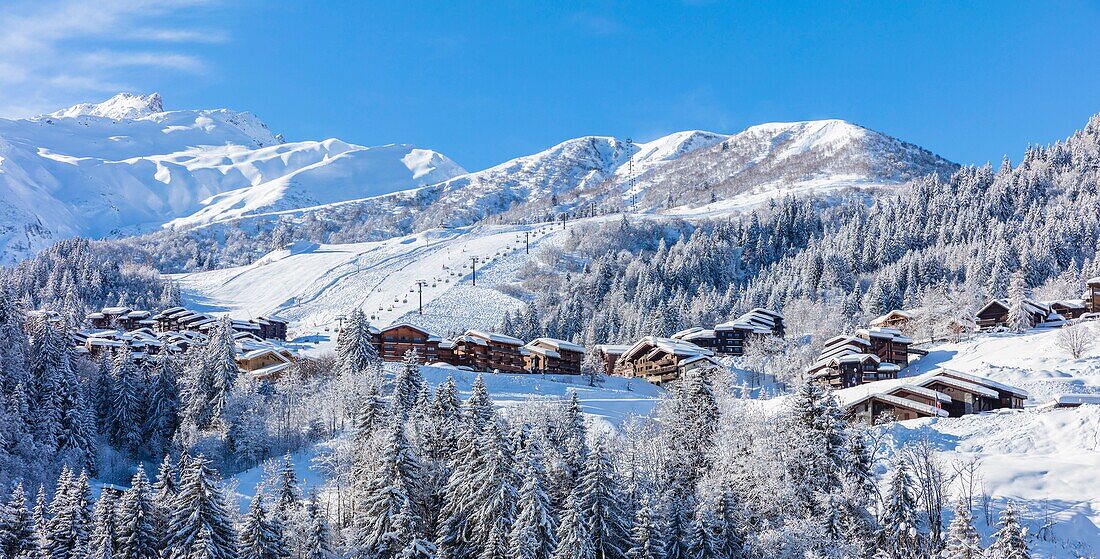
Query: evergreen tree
pixel 479 407
pixel 200 525
pixel 575 530
pixel 1019 320
pixel 493 493
pixel 900 536
pixel 317 544
pixel 17 537
pixel 259 537
pixel 140 522
pixel 286 502
pixel 69 526
pixel 533 534
pixel 104 539
pixel 221 362
pixel 372 413
pixel 646 542
pixel 407 383
pixel 963 541
pixel 354 351
pixel 126 421
pixel 599 491
pixel 1010 540
pixel 163 406
pixel 394 483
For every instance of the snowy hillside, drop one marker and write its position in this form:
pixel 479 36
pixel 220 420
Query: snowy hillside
pixel 126 165
pixel 312 284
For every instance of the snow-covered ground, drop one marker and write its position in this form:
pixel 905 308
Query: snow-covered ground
pixel 1032 361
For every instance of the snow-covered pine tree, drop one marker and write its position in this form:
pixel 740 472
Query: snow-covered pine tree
pixel 574 529
pixel 126 418
pixel 259 537
pixel 70 524
pixel 371 415
pixel 200 525
pixel 104 540
pixel 963 541
pixel 407 383
pixel 493 493
pixel 534 533
pixel 1010 540
pixel 317 545
pixel 1019 320
pixel 692 417
pixel 599 489
pixel 900 536
pixel 289 495
pixel 49 361
pixel 354 351
pixel 222 362
pixel 41 516
pixel 395 481
pixel 162 418
pixel 17 537
pixel 139 521
pixel 479 407
pixel 646 540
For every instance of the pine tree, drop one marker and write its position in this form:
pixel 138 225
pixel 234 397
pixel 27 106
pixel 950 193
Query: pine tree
pixel 17 536
pixel 963 541
pixel 574 530
pixel 1010 540
pixel 104 539
pixel 222 363
pixel 407 383
pixel 599 490
pixel 139 521
pixel 533 534
pixel 126 416
pixel 493 493
pixel 395 482
pixel 286 502
pixel 354 351
pixel 163 407
pixel 199 524
pixel 479 407
pixel 1019 320
pixel 69 527
pixel 645 538
pixel 259 537
pixel 900 537
pixel 317 544
pixel 372 413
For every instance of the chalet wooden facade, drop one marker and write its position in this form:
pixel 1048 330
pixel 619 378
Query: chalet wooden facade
pixel 489 351
pixel 662 360
pixel 888 344
pixel 730 337
pixel 1092 294
pixel 395 340
pixel 553 356
pixel 995 313
pixel 896 319
pixel 609 354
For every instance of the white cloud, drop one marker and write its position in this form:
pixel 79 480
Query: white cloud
pixel 54 53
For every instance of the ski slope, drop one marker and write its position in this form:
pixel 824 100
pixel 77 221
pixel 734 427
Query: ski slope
pixel 313 285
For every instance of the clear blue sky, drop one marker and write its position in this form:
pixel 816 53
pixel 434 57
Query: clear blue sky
pixel 486 81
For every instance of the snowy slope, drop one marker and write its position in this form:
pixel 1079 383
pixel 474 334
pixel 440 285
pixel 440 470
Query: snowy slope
pixel 126 165
pixel 312 285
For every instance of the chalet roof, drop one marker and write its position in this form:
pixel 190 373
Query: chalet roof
pixel 845 338
pixel 886 391
pixel 1067 303
pixel 759 320
pixel 115 310
pixel 268 371
pixel 1093 281
pixel 446 343
pixel 94 315
pixel 1018 392
pixel 698 358
pixel 275 318
pixel 495 337
pixel 1066 400
pixel 138 314
pixel 894 314
pixel 881 333
pixel 668 345
pixel 1030 306
pixel 430 336
pixel 556 344
pixel 613 349
pixel 262 352
pixel 544 351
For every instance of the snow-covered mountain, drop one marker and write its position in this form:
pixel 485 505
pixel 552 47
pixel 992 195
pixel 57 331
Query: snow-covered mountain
pixel 127 165
pixel 685 172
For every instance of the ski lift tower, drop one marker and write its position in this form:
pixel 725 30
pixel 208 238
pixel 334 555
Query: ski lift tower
pixel 630 176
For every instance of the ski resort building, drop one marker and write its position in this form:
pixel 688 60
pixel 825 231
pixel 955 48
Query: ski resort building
pixel 849 360
pixel 392 342
pixel 889 345
pixel 553 356
pixel 896 319
pixel 489 351
pixel 662 360
pixel 730 337
pixel 939 393
pixel 609 354
pixel 995 314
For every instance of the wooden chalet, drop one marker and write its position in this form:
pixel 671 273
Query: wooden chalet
pixel 896 319
pixel 730 337
pixel 662 360
pixel 489 351
pixel 995 313
pixel 553 356
pixel 888 344
pixel 1062 401
pixel 264 363
pixel 701 337
pixel 271 327
pixel 609 354
pixel 939 393
pixel 396 339
pixel 1069 309
pixel 1092 294
pixel 847 361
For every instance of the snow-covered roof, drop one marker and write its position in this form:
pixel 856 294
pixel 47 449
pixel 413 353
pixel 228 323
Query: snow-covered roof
pixel 556 344
pixel 886 390
pixel 613 349
pixel 115 310
pixel 758 320
pixel 268 371
pixel 894 314
pixel 262 352
pixel 1093 281
pixel 94 315
pixel 495 337
pixel 1019 392
pixel 668 345
pixel 138 314
pixel 879 332
pixel 1070 400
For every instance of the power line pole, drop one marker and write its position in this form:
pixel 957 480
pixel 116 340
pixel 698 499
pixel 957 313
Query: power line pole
pixel 420 293
pixel 474 259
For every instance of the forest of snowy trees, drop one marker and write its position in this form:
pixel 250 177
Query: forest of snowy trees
pixel 951 244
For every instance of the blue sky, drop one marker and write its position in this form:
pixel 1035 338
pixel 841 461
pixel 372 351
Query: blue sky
pixel 486 81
